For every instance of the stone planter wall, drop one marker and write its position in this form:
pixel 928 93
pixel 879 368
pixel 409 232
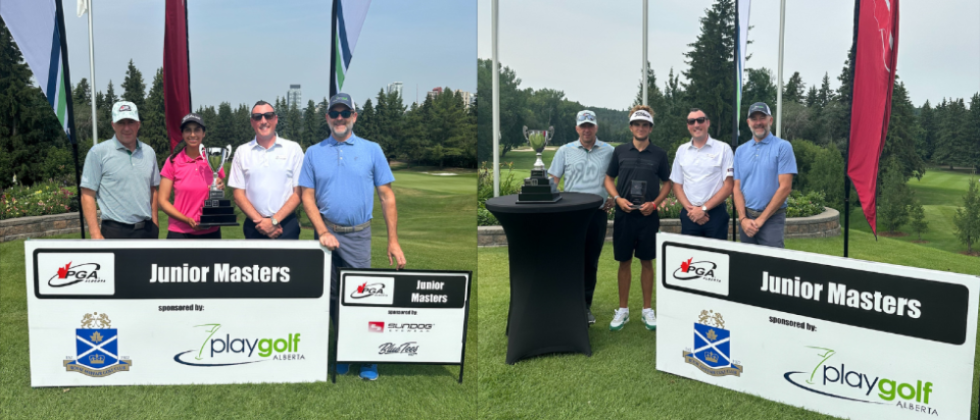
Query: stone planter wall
pixel 38 226
pixel 822 225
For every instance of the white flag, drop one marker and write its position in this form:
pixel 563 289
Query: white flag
pixel 82 7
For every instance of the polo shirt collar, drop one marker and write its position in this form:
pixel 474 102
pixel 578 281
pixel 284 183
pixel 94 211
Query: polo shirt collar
pixel 709 143
pixel 596 144
pixel 767 139
pixel 185 158
pixel 119 145
pixel 633 146
pixel 350 140
pixel 255 143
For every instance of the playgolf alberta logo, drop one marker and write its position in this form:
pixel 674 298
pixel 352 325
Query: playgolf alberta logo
pixel 369 290
pixel 76 273
pixel 232 349
pixel 833 378
pixel 712 352
pixel 97 348
pixel 694 269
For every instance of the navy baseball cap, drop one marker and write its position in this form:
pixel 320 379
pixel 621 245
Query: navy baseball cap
pixel 192 118
pixel 759 107
pixel 341 98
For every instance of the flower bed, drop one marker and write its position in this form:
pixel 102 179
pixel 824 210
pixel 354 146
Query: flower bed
pixel 37 200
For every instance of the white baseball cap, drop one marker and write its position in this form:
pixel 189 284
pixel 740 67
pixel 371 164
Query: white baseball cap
pixel 641 115
pixel 585 117
pixel 124 110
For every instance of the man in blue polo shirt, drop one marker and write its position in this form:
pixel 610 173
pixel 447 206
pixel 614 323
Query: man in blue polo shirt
pixel 764 169
pixel 338 179
pixel 583 164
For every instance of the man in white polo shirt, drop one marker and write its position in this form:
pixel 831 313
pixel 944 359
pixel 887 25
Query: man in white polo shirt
pixel 702 175
pixel 121 175
pixel 583 164
pixel 265 176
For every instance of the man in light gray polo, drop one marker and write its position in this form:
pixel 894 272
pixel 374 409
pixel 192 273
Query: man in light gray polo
pixel 122 176
pixel 583 164
pixel 702 175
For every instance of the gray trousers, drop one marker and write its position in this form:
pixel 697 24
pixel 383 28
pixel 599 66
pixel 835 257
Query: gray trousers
pixel 771 233
pixel 354 252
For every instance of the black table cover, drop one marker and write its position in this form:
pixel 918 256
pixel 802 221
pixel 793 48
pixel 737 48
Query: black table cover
pixel 546 248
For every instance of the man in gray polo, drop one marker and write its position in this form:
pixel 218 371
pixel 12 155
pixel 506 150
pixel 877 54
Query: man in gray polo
pixel 121 175
pixel 583 164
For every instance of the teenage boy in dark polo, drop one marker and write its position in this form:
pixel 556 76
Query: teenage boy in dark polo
pixel 635 227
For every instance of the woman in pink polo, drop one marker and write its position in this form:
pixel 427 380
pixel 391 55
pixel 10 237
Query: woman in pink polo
pixel 188 174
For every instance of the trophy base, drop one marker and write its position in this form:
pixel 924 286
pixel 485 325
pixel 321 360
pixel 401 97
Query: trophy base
pixel 538 189
pixel 217 212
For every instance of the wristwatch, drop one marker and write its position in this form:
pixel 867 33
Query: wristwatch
pixel 274 221
pixel 704 208
pixel 616 197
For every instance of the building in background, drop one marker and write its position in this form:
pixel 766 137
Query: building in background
pixel 294 97
pixel 395 87
pixel 468 97
pixel 433 93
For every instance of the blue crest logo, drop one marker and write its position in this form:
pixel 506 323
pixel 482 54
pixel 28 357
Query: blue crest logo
pixel 97 348
pixel 712 346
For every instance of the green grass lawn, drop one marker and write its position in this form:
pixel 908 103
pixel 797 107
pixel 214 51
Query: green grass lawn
pixel 437 230
pixel 941 193
pixel 620 380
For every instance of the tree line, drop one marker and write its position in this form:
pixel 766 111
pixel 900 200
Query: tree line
pixel 438 132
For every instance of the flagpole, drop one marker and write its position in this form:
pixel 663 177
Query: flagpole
pixel 779 93
pixel 333 48
pixel 187 41
pixel 735 111
pixel 643 80
pixel 496 103
pixel 70 110
pixel 91 69
pixel 847 149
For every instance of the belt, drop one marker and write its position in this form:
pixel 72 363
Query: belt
pixel 756 213
pixel 347 229
pixel 133 226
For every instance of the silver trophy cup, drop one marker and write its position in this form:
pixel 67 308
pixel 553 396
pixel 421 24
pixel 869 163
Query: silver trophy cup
pixel 538 139
pixel 216 158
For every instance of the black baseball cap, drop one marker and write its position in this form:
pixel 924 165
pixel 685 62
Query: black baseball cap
pixel 341 98
pixel 192 118
pixel 759 107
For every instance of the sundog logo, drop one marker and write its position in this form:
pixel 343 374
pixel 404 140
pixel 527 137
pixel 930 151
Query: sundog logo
pixel 851 384
pixel 376 327
pixel 231 351
pixel 409 327
pixel 696 270
pixel 362 290
pixel 75 273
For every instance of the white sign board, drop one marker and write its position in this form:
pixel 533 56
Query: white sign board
pixel 388 316
pixel 844 337
pixel 146 312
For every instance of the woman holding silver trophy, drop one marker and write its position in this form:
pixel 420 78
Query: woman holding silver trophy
pixel 188 173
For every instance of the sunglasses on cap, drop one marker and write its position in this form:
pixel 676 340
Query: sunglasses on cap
pixel 267 115
pixel 586 117
pixel 334 114
pixel 699 120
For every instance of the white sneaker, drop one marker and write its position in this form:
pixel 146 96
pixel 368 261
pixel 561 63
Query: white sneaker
pixel 649 319
pixel 620 318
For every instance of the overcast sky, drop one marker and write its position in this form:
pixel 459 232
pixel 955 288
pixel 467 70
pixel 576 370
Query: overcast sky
pixel 593 50
pixel 245 50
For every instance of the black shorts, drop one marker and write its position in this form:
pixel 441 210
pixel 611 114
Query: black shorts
pixel 634 233
pixel 177 235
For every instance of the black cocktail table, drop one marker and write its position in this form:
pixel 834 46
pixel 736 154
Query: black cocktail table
pixel 546 248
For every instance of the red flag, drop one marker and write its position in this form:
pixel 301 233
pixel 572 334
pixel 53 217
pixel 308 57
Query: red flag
pixel 874 77
pixel 176 69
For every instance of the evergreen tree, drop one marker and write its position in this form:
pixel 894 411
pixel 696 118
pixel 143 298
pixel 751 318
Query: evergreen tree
pixel 512 110
pixel 893 200
pixel 243 127
pixel 321 115
pixel 81 98
pixel 973 136
pixel 918 218
pixel 811 97
pixel 759 87
pixel 224 127
pixel 794 88
pixel 953 144
pixel 154 128
pixel 311 125
pixel 903 129
pixel 134 90
pixel 365 121
pixel 293 122
pixel 967 218
pixel 926 141
pixel 104 117
pixel 712 62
